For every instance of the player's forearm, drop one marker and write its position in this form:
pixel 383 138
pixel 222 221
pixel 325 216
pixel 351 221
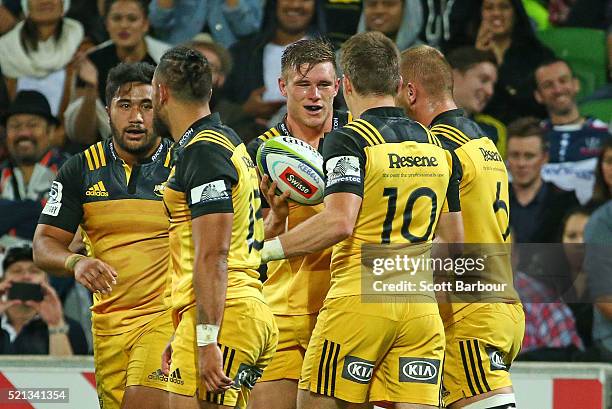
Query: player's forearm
pixel 315 234
pixel 210 287
pixel 50 253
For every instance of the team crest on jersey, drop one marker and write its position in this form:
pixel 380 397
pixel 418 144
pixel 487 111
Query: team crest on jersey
pixel 343 169
pixel 209 192
pixel 54 203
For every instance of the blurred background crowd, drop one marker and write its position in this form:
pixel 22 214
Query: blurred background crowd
pixel 535 74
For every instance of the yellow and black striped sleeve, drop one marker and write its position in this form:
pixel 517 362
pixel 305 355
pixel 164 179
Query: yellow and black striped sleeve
pixel 344 162
pixel 206 174
pixel 64 209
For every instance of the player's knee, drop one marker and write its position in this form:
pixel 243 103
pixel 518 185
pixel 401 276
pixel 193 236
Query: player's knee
pixel 500 401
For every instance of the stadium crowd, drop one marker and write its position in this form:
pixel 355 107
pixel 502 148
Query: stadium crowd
pixel 529 93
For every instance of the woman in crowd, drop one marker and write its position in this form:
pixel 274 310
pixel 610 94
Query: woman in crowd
pixel 127 25
pixel 502 26
pixel 37 52
pixel 602 190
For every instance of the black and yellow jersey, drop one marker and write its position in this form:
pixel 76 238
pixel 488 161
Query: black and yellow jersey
pixel 405 179
pixel 297 285
pixel 213 173
pixel 484 199
pixel 123 223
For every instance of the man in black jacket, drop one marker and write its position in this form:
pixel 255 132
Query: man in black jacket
pixel 536 207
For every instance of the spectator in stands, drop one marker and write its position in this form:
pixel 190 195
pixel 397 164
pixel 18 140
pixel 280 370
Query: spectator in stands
pixel 86 12
pixel 25 178
pixel 339 20
pixel 536 206
pixel 127 25
pixel 35 327
pixel 573 13
pixel 178 21
pixel 602 190
pixel 574 140
pixel 220 62
pixel 37 52
pixel 598 265
pixel 253 82
pixel 436 17
pixel 574 287
pixel 400 20
pixel 502 26
pixel 550 327
pixel 474 78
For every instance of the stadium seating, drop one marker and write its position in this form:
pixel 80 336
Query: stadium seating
pixel 584 49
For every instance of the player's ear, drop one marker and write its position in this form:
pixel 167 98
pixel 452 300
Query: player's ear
pixel 346 85
pixel 282 86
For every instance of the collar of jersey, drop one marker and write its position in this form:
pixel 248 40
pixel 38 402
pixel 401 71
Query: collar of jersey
pixel 452 113
pixel 384 112
pixel 150 159
pixel 197 126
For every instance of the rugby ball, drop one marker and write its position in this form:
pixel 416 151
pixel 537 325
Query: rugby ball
pixel 295 166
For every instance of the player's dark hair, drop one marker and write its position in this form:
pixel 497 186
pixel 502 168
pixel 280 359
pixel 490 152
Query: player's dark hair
pixel 143 6
pixel 464 58
pixel 224 56
pixel 187 73
pixel 124 73
pixel 371 61
pixel 601 191
pixel 307 52
pixel 526 127
pixel 427 66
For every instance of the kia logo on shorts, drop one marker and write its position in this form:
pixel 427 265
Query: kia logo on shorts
pixel 419 370
pixel 357 369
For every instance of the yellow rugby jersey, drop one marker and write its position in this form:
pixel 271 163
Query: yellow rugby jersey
pixel 298 285
pixel 404 177
pixel 484 199
pixel 213 173
pixel 122 217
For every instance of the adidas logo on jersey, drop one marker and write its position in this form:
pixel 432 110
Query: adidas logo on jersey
pixel 158 376
pixel 98 190
pixel 175 377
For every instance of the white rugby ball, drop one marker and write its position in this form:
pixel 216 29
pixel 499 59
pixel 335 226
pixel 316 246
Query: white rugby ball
pixel 295 166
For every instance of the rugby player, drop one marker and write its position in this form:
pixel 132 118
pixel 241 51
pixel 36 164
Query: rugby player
pixel 366 204
pixel 113 191
pixel 225 334
pixel 295 289
pixel 482 337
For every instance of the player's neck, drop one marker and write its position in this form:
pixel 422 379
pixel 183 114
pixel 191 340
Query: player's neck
pixel 526 193
pixel 183 116
pixel 363 103
pixel 433 108
pixel 130 158
pixel 572 117
pixel 306 133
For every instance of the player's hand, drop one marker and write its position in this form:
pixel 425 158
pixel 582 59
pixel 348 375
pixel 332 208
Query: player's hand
pixel 5 305
pixel 278 203
pixel 166 358
pixel 50 308
pixel 256 107
pixel 95 275
pixel 210 363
